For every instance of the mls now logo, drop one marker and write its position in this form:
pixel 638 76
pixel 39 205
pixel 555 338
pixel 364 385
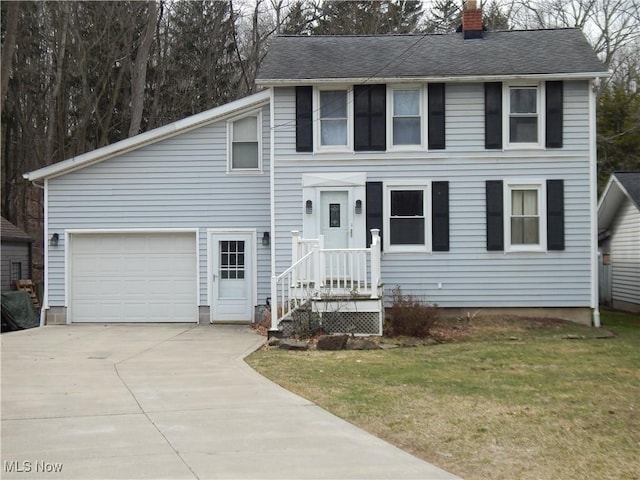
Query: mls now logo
pixel 26 466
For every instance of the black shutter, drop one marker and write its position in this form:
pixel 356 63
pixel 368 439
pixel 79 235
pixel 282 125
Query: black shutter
pixel 495 220
pixel 378 95
pixel 361 111
pixel 369 129
pixel 440 222
pixel 555 215
pixel 435 121
pixel 554 114
pixel 374 209
pixel 304 120
pixel 493 115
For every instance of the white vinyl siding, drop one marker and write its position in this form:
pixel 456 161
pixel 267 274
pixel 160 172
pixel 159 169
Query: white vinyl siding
pixel 625 254
pixel 179 182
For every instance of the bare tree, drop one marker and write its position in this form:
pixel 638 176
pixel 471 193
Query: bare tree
pixel 8 45
pixel 608 24
pixel 139 69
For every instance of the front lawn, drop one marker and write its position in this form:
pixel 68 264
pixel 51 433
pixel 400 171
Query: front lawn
pixel 501 399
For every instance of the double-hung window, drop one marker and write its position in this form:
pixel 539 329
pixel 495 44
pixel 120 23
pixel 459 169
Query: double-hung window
pixel 525 225
pixel 333 119
pixel 524 120
pixel 244 144
pixel 406 221
pixel 406 111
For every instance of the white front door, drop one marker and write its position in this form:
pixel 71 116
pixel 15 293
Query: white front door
pixel 335 218
pixel 232 277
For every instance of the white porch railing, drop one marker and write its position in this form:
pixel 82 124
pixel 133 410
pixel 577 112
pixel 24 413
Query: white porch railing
pixel 317 272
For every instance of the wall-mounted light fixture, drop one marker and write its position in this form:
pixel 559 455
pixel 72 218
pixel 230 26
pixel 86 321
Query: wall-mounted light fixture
pixel 309 207
pixel 53 241
pixel 358 207
pixel 266 239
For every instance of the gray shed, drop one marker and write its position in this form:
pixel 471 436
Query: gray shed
pixel 16 255
pixel 619 227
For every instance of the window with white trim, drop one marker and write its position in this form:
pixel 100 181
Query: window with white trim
pixel 525 217
pixel 523 115
pixel 406 117
pixel 334 118
pixel 406 219
pixel 245 144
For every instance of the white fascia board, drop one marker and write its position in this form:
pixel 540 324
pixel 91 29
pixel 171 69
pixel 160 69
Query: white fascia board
pixel 266 82
pixel 198 120
pixel 609 202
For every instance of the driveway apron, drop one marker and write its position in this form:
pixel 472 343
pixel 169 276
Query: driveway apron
pixel 170 401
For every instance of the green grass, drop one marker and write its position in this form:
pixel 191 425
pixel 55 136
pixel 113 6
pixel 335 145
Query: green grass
pixel 505 399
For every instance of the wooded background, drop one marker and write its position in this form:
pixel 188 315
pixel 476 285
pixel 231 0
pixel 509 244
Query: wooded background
pixel 80 75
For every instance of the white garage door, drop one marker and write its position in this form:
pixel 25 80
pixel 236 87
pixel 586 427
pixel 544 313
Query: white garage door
pixel 133 277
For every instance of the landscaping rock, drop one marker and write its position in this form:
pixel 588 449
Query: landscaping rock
pixel 605 335
pixel 273 342
pixel 362 344
pixel 293 345
pixel 573 337
pixel 332 342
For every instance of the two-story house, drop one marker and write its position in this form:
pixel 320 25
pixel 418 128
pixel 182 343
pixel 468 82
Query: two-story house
pixel 460 167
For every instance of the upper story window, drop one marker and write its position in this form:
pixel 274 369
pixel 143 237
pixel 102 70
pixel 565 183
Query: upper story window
pixel 333 119
pixel 524 115
pixel 406 124
pixel 245 144
pixel 524 121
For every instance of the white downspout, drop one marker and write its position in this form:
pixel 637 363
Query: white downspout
pixel 45 249
pixel 593 198
pixel 272 194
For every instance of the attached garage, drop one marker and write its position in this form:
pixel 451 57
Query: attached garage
pixel 133 277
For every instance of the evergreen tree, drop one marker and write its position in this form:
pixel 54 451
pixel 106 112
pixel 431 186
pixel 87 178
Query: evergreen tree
pixel 368 18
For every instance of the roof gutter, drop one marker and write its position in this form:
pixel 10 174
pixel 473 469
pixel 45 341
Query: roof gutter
pixel 276 82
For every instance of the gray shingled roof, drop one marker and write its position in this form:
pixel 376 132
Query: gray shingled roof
pixel 631 183
pixel 11 232
pixel 399 56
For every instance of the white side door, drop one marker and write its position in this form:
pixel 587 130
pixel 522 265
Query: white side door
pixel 232 261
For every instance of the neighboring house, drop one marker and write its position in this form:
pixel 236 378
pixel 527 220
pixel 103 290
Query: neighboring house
pixel 16 255
pixel 473 154
pixel 619 231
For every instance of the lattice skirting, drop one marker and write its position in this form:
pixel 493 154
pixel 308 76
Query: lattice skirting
pixel 306 322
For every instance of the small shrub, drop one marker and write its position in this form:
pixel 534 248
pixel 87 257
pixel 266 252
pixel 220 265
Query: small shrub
pixel 410 316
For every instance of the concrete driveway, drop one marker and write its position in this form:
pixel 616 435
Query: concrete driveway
pixel 170 401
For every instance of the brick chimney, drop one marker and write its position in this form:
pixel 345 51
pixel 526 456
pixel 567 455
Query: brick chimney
pixel 472 20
